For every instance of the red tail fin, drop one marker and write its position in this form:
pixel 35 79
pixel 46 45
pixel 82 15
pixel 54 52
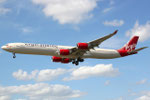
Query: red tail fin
pixel 131 45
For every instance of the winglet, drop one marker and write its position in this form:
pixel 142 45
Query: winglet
pixel 112 34
pixel 115 31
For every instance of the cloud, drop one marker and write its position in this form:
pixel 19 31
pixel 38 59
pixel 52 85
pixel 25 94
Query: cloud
pixel 112 2
pixel 40 91
pixel 50 74
pixel 120 98
pixel 141 82
pixel 145 96
pixel 91 71
pixel 115 23
pixel 67 11
pixel 23 75
pixel 3 10
pixel 140 30
pixel 4 97
pixel 42 75
pixel 21 99
pixel 76 73
pixel 1 1
pixel 107 83
pixel 110 8
pixel 26 30
pixel 107 9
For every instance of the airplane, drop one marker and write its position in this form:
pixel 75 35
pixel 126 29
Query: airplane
pixel 76 54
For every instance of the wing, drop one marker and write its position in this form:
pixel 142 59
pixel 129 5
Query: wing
pixel 97 42
pixel 79 52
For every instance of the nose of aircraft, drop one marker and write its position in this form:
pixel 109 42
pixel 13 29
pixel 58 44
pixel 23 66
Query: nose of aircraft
pixel 4 47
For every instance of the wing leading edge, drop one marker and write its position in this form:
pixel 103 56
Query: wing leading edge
pixel 97 42
pixel 91 45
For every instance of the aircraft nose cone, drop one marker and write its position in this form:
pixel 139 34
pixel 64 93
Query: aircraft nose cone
pixel 4 47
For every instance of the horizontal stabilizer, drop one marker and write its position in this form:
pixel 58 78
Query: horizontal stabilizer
pixel 136 50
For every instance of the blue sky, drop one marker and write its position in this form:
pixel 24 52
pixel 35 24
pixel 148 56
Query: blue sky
pixel 67 22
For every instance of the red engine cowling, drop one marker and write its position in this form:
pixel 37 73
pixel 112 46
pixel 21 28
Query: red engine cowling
pixel 64 52
pixel 62 60
pixel 65 60
pixel 82 45
pixel 56 59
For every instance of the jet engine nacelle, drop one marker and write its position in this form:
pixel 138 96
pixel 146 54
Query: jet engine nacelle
pixel 66 60
pixel 56 59
pixel 62 60
pixel 64 52
pixel 83 45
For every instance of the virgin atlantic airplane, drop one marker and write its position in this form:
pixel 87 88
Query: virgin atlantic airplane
pixel 67 54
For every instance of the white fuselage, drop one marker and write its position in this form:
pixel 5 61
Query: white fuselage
pixel 52 50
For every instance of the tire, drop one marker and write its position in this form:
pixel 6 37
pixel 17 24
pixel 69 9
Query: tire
pixel 14 56
pixel 76 63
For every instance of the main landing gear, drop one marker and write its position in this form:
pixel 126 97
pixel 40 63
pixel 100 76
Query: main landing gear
pixel 76 61
pixel 14 56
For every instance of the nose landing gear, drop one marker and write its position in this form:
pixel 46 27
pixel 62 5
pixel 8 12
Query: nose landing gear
pixel 14 56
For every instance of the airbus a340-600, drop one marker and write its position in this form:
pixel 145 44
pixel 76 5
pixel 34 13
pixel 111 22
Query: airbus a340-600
pixel 67 54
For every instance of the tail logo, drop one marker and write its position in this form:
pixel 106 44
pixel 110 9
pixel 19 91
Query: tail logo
pixel 130 47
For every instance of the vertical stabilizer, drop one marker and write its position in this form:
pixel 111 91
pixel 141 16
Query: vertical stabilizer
pixel 131 45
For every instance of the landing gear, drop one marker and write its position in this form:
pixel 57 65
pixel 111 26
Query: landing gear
pixel 80 60
pixel 14 56
pixel 76 61
pixel 73 61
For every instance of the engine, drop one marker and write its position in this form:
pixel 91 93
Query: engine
pixel 56 59
pixel 62 60
pixel 64 52
pixel 83 45
pixel 65 60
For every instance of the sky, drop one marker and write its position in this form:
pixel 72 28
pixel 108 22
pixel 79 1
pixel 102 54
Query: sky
pixel 67 22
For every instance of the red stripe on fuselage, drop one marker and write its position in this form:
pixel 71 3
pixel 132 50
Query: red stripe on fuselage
pixel 122 52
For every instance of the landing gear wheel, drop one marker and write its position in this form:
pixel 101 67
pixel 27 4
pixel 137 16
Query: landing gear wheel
pixel 73 61
pixel 81 60
pixel 14 56
pixel 76 63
